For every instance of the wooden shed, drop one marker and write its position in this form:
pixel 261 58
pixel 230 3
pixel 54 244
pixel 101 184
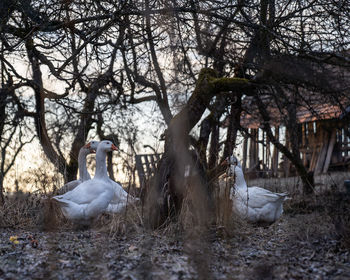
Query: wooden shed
pixel 324 142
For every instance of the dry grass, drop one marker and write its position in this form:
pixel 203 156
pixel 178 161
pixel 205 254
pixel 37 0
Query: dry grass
pixel 207 236
pixel 199 217
pixel 128 221
pixel 196 209
pixel 337 207
pixel 228 222
pixel 27 210
pixel 329 214
pixel 20 210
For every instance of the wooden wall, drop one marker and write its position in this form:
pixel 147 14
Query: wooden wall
pixel 324 145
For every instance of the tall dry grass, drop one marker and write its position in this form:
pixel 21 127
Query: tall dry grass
pixel 129 220
pixel 28 210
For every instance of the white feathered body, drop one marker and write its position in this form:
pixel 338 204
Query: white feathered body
pixel 259 205
pixel 255 204
pixel 92 197
pixel 88 200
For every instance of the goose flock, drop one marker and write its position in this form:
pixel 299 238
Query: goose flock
pixel 87 198
pixel 253 204
pixel 84 199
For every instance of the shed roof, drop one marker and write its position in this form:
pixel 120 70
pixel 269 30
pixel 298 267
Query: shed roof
pixel 314 110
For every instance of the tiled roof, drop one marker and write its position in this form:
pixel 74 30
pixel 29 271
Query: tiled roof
pixel 250 117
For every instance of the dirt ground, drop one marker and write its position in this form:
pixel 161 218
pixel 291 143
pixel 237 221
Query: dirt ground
pixel 306 243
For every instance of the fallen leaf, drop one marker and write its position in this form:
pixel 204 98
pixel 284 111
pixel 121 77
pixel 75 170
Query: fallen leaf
pixel 132 248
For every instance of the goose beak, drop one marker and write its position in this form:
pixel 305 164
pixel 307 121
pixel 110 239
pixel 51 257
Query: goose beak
pixel 88 145
pixel 114 148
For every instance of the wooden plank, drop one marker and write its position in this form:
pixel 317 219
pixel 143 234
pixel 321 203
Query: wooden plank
pixel 147 165
pixel 315 153
pixel 264 151
pixel 275 153
pixel 257 147
pixel 303 150
pixel 322 144
pixel 312 145
pixel 139 169
pixel 252 150
pixel 245 146
pixel 321 158
pixel 324 138
pixel 268 155
pixel 346 153
pixel 286 162
pixel 154 160
pixel 330 150
pixel 153 163
pixel 158 156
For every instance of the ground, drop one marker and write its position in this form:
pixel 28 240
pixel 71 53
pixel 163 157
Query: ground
pixel 303 244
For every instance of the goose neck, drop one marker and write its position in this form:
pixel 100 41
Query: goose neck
pixel 83 173
pixel 101 167
pixel 239 178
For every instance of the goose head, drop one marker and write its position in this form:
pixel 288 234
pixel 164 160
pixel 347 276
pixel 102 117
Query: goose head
pixel 232 160
pixel 91 147
pixel 235 170
pixel 107 146
pixel 233 163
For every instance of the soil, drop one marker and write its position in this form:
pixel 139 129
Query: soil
pixel 304 244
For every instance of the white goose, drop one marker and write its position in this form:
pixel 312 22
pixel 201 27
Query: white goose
pixel 254 203
pixel 92 197
pixel 84 175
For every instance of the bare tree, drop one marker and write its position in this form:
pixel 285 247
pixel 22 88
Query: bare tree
pixel 65 45
pixel 109 56
pixel 12 131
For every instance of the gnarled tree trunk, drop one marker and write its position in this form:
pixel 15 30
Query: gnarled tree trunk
pixel 178 166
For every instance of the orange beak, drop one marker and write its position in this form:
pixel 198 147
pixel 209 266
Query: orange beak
pixel 88 145
pixel 114 148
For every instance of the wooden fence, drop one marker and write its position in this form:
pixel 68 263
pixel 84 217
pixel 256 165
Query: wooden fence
pixel 146 165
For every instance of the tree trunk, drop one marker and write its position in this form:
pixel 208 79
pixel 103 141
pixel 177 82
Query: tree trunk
pixel 214 146
pixel 110 165
pixel 178 165
pixel 233 126
pixel 2 200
